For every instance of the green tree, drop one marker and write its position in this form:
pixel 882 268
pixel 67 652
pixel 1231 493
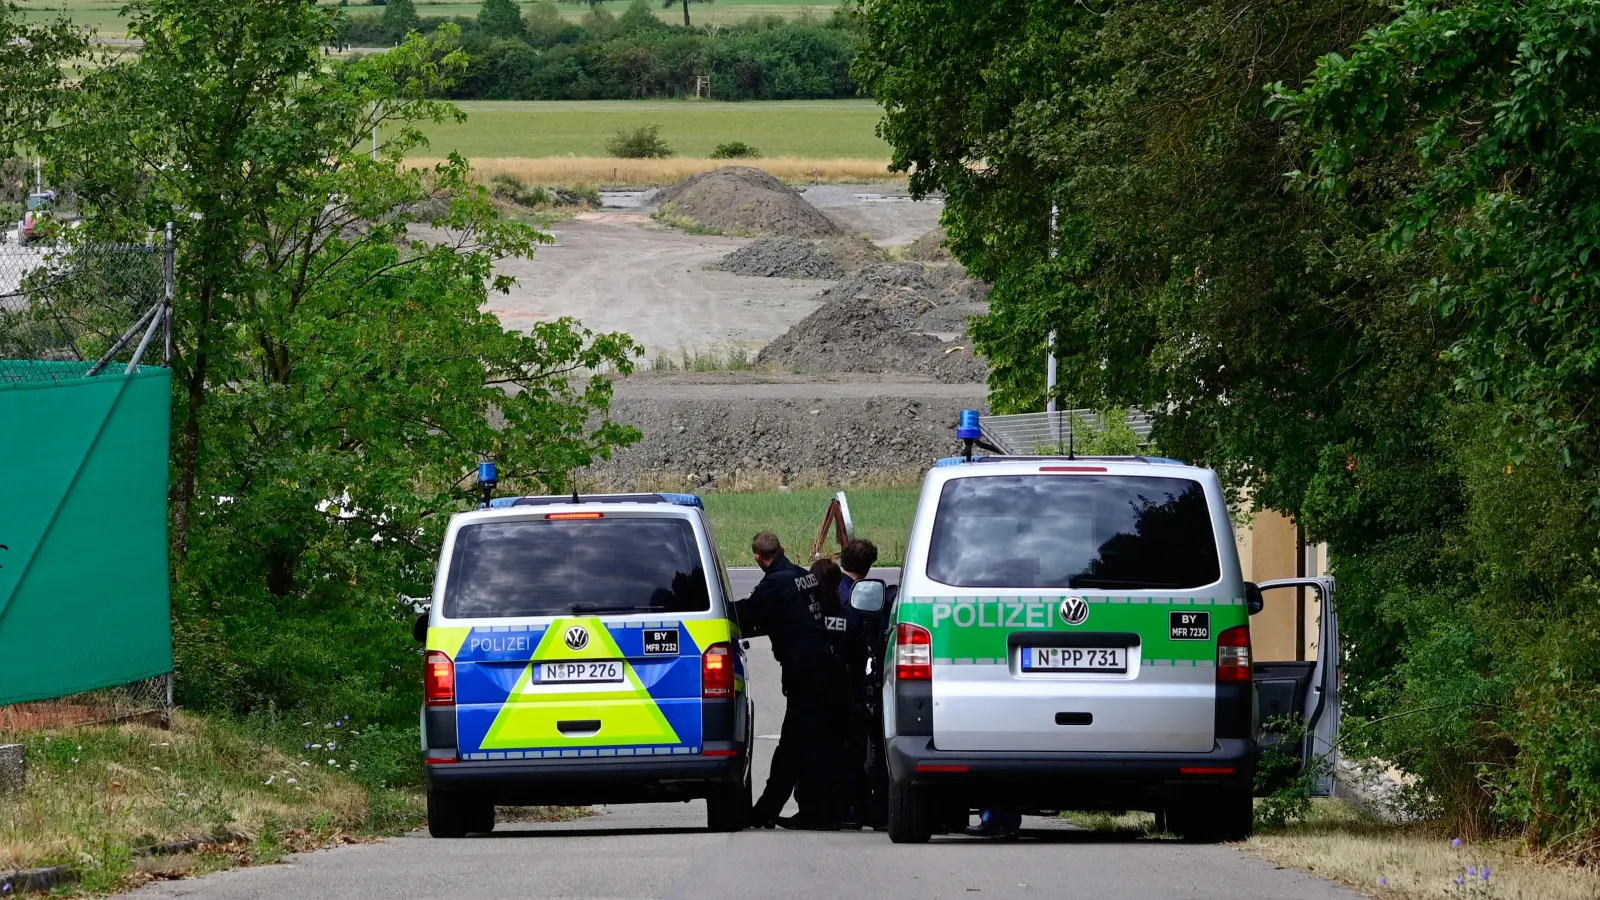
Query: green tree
pixel 501 19
pixel 668 4
pixel 400 17
pixel 336 378
pixel 32 56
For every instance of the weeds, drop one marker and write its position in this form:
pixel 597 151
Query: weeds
pixel 736 359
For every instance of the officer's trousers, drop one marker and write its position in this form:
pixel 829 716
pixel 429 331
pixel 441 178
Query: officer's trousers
pixel 809 755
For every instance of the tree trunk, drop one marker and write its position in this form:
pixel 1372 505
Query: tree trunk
pixel 189 441
pixel 686 13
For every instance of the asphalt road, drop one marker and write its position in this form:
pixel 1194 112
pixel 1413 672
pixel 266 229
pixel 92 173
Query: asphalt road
pixel 663 850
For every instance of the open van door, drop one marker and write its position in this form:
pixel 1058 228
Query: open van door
pixel 1304 684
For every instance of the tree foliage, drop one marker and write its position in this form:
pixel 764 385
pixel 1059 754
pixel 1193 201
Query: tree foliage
pixel 32 56
pixel 1396 347
pixel 337 380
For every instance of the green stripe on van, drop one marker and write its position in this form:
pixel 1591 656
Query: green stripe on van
pixel 976 628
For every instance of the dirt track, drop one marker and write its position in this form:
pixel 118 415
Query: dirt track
pixel 620 271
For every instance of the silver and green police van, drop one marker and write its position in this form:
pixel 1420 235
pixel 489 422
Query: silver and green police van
pixel 1073 634
pixel 583 650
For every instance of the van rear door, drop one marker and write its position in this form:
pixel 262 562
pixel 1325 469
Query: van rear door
pixel 1078 611
pixel 586 635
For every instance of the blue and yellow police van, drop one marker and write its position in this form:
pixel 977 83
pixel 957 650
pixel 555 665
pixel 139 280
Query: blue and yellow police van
pixel 583 650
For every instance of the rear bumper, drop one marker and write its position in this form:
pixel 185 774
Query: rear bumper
pixel 565 782
pixel 1113 777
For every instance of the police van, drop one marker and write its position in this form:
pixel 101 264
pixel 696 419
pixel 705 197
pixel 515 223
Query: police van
pixel 583 650
pixel 1072 633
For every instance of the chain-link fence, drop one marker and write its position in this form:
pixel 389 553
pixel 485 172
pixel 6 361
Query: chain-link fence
pixel 70 309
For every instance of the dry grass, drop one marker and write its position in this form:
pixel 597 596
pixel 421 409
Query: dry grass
pixel 591 170
pixel 95 793
pixel 1416 862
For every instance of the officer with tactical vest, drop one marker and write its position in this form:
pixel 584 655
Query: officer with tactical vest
pixel 786 608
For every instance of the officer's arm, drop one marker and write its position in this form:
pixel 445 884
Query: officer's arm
pixel 755 613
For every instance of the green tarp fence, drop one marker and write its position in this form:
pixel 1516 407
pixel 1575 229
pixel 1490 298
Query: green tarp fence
pixel 84 601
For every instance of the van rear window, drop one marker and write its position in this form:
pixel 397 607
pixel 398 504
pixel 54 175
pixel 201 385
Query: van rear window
pixel 579 567
pixel 1079 531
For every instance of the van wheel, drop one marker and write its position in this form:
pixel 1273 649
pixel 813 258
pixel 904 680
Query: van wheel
pixel 1212 816
pixel 910 814
pixel 447 815
pixel 728 809
pixel 480 817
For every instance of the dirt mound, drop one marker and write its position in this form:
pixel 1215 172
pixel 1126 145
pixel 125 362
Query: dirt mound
pixel 787 257
pixel 743 200
pixel 930 247
pixel 901 318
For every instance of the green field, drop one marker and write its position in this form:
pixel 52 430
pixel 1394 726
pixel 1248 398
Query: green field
pixel 105 14
pixel 810 129
pixel 882 516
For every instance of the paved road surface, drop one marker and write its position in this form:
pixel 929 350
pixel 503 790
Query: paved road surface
pixel 663 850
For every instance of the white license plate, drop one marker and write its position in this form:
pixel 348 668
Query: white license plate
pixel 1075 659
pixel 571 672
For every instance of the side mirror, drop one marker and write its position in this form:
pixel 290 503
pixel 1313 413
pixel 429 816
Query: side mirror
pixel 1253 599
pixel 419 629
pixel 867 595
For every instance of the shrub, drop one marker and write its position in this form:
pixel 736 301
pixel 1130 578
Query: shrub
pixel 644 142
pixel 735 150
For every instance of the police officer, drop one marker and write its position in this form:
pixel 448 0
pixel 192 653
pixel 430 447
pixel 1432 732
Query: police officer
pixel 786 608
pixel 846 695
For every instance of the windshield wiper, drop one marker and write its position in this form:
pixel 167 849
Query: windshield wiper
pixel 1120 583
pixel 578 608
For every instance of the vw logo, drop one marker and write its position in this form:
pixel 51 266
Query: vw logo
pixel 578 637
pixel 1074 611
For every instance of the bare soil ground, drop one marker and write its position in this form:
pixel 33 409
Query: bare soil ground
pixel 622 271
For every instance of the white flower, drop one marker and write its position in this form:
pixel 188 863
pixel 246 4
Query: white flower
pixel 304 763
pixel 333 762
pixel 293 781
pixel 270 779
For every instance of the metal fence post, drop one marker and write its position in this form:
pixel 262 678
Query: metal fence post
pixel 171 279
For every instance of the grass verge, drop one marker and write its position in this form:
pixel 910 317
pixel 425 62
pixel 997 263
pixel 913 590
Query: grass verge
pixel 881 515
pixel 1416 861
pixel 95 794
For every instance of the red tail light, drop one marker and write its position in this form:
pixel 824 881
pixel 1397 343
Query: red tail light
pixel 716 671
pixel 913 653
pixel 1233 654
pixel 438 679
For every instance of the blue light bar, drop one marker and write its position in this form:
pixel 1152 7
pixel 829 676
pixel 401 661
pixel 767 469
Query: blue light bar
pixel 487 473
pixel 503 502
pixel 684 500
pixel 969 430
pixel 953 461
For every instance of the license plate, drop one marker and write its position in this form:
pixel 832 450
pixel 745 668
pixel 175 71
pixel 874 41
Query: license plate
pixel 573 672
pixel 1075 659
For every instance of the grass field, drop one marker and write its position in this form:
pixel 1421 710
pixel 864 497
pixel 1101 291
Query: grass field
pixel 882 516
pixel 805 129
pixel 106 14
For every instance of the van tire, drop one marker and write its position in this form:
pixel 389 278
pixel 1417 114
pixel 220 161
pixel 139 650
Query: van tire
pixel 447 815
pixel 1212 816
pixel 911 812
pixel 728 808
pixel 480 817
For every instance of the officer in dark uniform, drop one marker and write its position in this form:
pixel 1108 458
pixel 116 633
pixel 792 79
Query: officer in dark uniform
pixel 847 695
pixel 786 608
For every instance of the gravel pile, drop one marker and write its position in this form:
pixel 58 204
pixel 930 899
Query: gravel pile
pixel 930 247
pixel 787 257
pixel 731 443
pixel 743 200
pixel 894 318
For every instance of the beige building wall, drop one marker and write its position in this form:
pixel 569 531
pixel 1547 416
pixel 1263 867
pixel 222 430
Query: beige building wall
pixel 1269 548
